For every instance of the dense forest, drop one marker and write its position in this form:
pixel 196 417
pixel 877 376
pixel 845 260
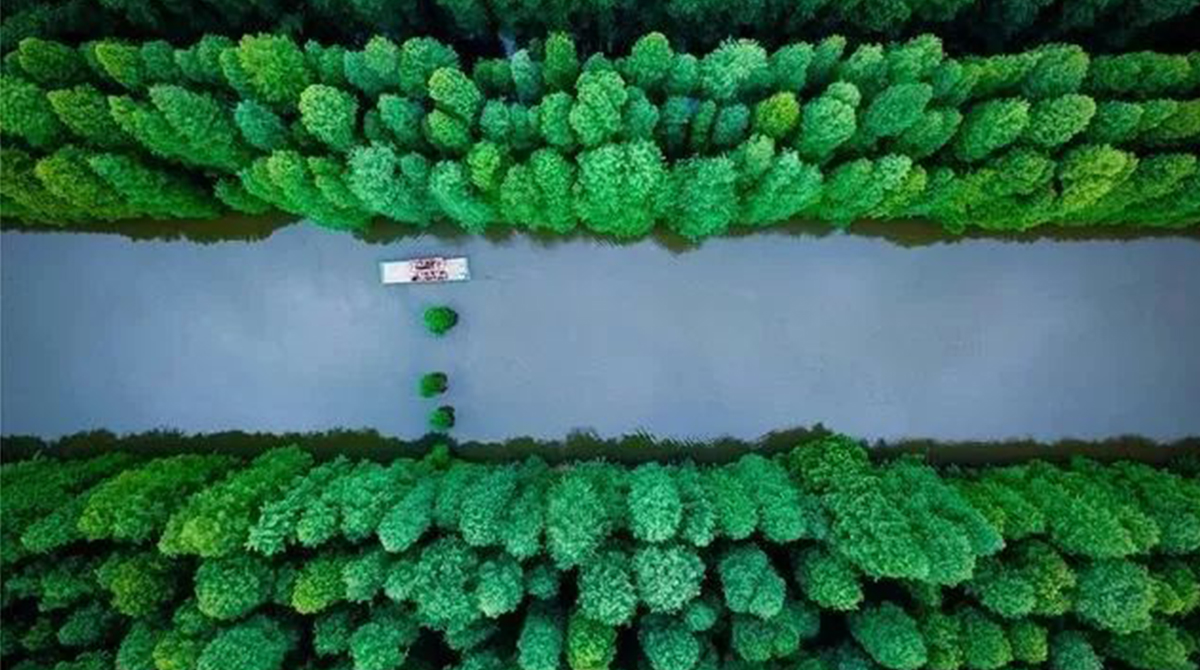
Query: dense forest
pixel 815 558
pixel 550 139
pixel 485 25
pixel 805 550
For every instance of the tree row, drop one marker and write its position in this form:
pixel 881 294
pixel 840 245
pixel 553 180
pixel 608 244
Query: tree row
pixel 548 141
pixel 488 24
pixel 275 69
pixel 815 559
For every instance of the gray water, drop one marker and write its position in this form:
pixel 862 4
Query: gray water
pixel 968 341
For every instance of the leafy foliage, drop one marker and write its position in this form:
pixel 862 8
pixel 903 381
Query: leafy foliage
pixel 280 561
pixel 441 419
pixel 552 138
pixel 890 636
pixel 440 319
pixel 432 384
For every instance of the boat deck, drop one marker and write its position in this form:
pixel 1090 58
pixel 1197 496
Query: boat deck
pixel 425 270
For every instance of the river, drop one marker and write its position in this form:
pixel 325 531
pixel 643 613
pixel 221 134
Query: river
pixel 974 340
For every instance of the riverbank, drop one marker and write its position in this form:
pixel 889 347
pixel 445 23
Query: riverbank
pixel 906 233
pixel 819 546
pixel 629 449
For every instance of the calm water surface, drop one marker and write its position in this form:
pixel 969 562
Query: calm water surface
pixel 975 340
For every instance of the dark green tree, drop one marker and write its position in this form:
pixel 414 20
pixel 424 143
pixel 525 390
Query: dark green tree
pixel 440 319
pixel 667 643
pixel 27 113
pixel 622 189
pixel 1115 595
pixel 562 63
pixel 331 115
pixel 230 588
pixel 750 583
pixel 216 521
pixel 257 643
pixel 667 577
pixel 540 645
pixel 590 645
pixel 441 419
pixel 890 636
pixel 274 68
pixel 432 384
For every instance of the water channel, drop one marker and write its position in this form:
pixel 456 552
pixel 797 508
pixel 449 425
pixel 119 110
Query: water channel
pixel 980 339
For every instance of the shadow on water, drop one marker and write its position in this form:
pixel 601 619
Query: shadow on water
pixel 640 448
pixel 908 233
pixel 230 228
pixel 1184 454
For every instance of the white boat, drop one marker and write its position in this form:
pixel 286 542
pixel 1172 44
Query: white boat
pixel 431 269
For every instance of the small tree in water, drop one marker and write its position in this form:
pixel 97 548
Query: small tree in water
pixel 439 320
pixel 433 383
pixel 441 419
